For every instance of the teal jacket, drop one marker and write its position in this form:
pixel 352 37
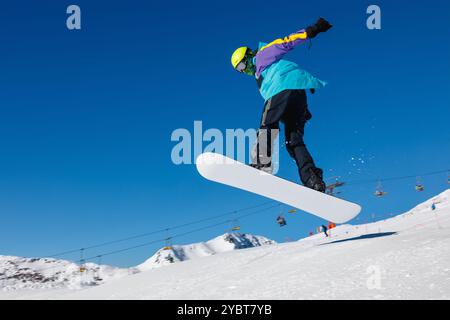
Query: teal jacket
pixel 274 74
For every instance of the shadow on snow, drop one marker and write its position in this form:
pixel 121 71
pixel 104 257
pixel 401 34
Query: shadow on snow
pixel 364 236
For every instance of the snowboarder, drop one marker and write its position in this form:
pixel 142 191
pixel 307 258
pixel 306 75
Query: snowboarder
pixel 282 84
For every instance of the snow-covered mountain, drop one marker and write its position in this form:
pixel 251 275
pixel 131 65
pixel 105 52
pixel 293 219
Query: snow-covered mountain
pixel 47 273
pixel 403 257
pixel 223 243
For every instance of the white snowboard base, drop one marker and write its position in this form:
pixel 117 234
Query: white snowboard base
pixel 219 168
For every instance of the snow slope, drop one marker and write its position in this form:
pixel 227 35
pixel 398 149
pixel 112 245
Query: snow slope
pixel 405 257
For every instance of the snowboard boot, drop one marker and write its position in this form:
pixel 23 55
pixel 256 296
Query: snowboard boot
pixel 315 180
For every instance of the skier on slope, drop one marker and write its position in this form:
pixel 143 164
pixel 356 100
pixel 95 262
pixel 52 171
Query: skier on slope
pixel 325 229
pixel 282 84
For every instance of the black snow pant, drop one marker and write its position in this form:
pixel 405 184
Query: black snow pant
pixel 291 108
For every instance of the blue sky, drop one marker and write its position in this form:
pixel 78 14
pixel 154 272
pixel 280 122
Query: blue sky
pixel 86 116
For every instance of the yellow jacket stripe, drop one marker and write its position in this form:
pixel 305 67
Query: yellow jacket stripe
pixel 289 39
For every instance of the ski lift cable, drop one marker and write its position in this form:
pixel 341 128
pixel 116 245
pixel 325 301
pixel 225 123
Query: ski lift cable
pixel 85 259
pixel 158 231
pixel 395 178
pixel 162 240
pixel 259 211
pixel 174 236
pixel 151 242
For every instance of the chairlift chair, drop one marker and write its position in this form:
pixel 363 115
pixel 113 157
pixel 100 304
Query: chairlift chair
pixel 419 186
pixel 82 266
pixel 281 221
pixel 380 193
pixel 330 188
pixel 379 190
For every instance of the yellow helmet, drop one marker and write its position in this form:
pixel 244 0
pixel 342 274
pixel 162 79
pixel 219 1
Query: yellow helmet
pixel 238 56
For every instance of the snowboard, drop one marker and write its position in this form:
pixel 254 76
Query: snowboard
pixel 221 169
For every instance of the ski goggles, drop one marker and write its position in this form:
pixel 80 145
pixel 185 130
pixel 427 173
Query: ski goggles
pixel 241 66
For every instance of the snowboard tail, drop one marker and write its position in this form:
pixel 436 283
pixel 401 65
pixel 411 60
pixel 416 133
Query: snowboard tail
pixel 221 169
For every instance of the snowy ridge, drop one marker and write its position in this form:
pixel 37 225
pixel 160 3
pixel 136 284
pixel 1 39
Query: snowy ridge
pixel 441 201
pixel 47 273
pixel 223 243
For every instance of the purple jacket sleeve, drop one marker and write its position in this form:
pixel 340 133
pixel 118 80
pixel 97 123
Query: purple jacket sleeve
pixel 275 50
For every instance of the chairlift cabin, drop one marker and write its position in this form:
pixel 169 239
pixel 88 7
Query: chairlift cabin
pixel 419 186
pixel 82 267
pixel 281 221
pixel 82 261
pixel 234 224
pixel 330 187
pixel 379 192
pixel 168 240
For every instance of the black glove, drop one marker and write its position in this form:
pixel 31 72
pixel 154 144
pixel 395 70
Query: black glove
pixel 321 25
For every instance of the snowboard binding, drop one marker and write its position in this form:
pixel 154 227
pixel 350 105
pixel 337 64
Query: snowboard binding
pixel 315 180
